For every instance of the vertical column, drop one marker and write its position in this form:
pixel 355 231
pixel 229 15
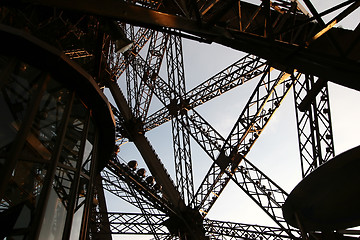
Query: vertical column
pixel 315 135
pixel 181 138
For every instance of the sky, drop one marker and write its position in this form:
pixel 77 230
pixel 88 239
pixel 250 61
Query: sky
pixel 275 152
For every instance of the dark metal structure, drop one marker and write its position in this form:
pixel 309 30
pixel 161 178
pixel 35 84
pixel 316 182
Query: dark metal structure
pixel 288 48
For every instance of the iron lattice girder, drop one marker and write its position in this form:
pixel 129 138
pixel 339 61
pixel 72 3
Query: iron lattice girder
pixel 315 135
pixel 264 192
pixel 153 162
pixel 147 212
pixel 121 189
pixel 275 102
pixel 265 99
pixel 117 62
pixel 132 81
pixel 146 150
pixel 183 163
pixel 231 230
pixel 156 83
pixel 175 65
pixel 129 186
pixel 285 56
pixel 139 193
pixel 119 180
pixel 157 169
pixel 154 59
pixel 268 93
pixel 275 99
pixel 267 194
pixel 236 74
pixel 181 138
pixel 135 223
pixel 139 39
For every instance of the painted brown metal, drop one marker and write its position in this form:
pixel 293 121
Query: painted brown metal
pixel 320 59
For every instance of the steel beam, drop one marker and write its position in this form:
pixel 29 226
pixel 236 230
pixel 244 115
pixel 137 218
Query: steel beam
pixel 153 61
pixel 135 223
pixel 266 92
pixel 284 56
pixel 157 168
pixel 118 179
pixel 148 153
pixel 315 136
pixel 265 99
pixel 231 230
pixel 238 73
pixel 181 138
pixel 226 159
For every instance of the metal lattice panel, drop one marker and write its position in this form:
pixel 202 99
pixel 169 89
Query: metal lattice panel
pixel 286 47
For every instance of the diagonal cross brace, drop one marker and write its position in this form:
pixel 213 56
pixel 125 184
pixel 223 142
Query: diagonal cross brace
pixel 245 69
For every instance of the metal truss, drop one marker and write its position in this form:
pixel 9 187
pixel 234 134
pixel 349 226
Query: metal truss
pixel 258 186
pixel 269 93
pixel 132 81
pixel 119 180
pixel 182 156
pixel 135 223
pixel 119 63
pixel 280 31
pixel 154 58
pixel 226 155
pixel 181 138
pixel 262 95
pixel 267 194
pixel 231 230
pixel 72 171
pixel 315 135
pixel 236 74
pixel 221 24
pixel 131 129
pixel 156 83
pixel 129 186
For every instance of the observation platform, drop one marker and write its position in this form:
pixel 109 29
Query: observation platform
pixel 328 198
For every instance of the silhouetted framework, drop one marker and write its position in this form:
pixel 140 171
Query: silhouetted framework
pixel 182 151
pixel 286 47
pixel 126 223
pixel 316 142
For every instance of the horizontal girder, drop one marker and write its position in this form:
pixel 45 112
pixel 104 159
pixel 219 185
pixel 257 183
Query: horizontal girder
pixel 315 60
